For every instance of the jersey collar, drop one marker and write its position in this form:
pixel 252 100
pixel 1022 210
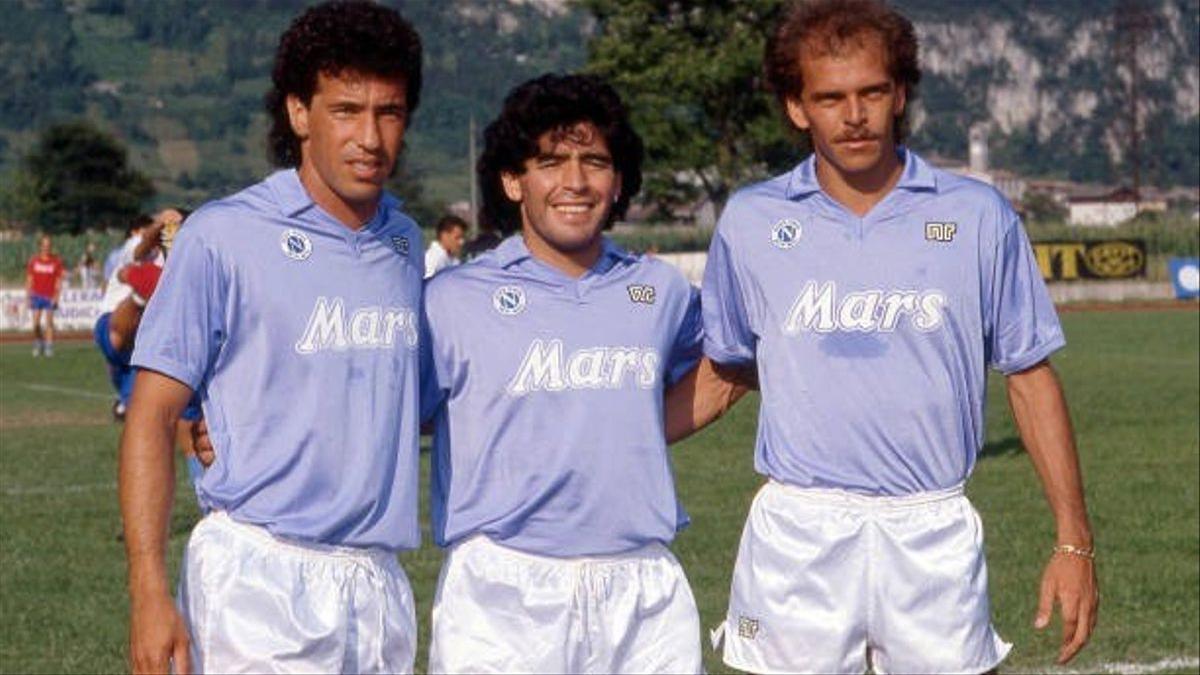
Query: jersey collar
pixel 917 176
pixel 293 199
pixel 513 250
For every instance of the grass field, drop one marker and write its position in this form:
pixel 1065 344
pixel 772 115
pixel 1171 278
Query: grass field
pixel 1133 379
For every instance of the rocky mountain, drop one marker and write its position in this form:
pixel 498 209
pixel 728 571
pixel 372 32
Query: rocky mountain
pixel 180 81
pixel 1055 83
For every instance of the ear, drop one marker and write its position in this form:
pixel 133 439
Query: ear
pixel 900 101
pixel 617 192
pixel 795 112
pixel 297 116
pixel 512 186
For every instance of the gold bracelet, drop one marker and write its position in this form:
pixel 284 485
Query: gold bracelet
pixel 1089 553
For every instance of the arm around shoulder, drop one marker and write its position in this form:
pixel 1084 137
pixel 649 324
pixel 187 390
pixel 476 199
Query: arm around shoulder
pixel 703 395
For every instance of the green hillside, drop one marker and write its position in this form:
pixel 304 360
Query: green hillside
pixel 181 82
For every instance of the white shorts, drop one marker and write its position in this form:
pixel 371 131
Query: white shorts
pixel 830 582
pixel 257 604
pixel 502 610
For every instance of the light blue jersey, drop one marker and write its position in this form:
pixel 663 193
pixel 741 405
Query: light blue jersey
pixel 873 335
pixel 551 438
pixel 301 336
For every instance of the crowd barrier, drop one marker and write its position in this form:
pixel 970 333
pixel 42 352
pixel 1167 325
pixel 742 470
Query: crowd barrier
pixel 78 309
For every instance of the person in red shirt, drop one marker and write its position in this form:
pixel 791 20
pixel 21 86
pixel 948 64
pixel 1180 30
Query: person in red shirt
pixel 43 283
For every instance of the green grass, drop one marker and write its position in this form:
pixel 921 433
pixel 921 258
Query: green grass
pixel 1131 377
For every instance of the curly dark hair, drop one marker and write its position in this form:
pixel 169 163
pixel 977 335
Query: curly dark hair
pixel 357 35
pixel 830 27
pixel 554 103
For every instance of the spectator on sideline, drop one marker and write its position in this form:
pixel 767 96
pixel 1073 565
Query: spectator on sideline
pixel 43 284
pixel 447 244
pixel 86 267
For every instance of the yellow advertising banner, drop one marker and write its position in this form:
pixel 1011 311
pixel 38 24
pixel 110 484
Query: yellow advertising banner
pixel 1109 259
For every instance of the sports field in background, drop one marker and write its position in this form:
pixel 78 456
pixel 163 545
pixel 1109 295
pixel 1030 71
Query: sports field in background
pixel 1132 377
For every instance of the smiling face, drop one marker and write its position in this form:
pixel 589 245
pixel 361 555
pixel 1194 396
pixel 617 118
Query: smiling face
pixel 849 104
pixel 350 135
pixel 566 192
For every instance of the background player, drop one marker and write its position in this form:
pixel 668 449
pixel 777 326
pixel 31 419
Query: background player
pixel 447 246
pixel 291 309
pixel 552 483
pixel 129 288
pixel 872 290
pixel 43 285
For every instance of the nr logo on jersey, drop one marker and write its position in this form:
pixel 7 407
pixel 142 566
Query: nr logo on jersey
pixel 509 300
pixel 643 293
pixel 401 245
pixel 943 232
pixel 747 627
pixel 786 233
pixel 295 244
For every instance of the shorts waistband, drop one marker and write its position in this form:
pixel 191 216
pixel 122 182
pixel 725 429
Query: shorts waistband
pixel 260 536
pixel 857 500
pixel 652 551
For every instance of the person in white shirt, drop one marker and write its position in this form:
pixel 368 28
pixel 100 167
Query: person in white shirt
pixel 447 245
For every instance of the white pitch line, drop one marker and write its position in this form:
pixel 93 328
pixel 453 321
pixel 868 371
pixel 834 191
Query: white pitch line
pixel 1162 665
pixel 57 489
pixel 82 393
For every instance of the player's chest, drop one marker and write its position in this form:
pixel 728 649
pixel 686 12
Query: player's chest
pixel 611 337
pixel 325 291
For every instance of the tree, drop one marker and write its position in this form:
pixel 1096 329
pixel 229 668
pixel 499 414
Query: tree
pixel 83 179
pixel 691 73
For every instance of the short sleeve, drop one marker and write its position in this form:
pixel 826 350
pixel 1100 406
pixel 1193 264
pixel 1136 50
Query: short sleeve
pixel 432 391
pixel 1023 326
pixel 728 337
pixel 688 346
pixel 184 324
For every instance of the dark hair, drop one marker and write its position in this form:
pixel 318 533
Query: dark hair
pixel 140 222
pixel 831 27
pixel 449 222
pixel 329 38
pixel 554 103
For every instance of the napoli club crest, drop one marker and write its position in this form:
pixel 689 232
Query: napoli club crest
pixel 509 300
pixel 786 233
pixel 295 244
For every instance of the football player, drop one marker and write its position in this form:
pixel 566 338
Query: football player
pixel 291 309
pixel 873 291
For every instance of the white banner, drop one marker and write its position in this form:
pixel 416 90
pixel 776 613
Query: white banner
pixel 78 309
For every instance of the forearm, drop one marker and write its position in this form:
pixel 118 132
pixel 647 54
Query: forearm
pixel 147 244
pixel 700 397
pixel 147 490
pixel 1041 414
pixel 123 324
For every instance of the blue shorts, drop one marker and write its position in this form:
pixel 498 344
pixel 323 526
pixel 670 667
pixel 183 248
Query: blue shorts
pixel 121 373
pixel 37 302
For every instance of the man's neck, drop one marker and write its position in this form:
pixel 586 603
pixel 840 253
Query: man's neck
pixel 353 216
pixel 860 192
pixel 571 263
